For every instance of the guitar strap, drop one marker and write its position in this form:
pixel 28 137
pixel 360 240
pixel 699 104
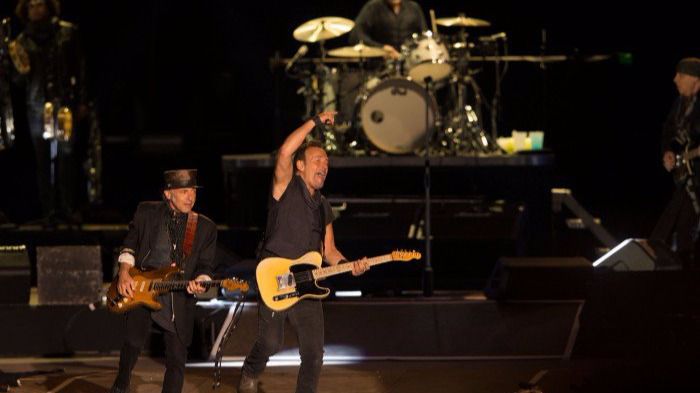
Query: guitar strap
pixel 190 231
pixel 322 208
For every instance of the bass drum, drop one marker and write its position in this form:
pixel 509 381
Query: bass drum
pixel 393 115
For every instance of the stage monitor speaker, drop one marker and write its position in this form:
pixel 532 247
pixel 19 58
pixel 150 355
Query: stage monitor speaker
pixel 539 278
pixel 15 275
pixel 69 274
pixel 635 255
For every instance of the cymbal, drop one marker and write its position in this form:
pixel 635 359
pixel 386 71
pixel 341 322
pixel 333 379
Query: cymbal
pixel 359 50
pixel 323 28
pixel 462 21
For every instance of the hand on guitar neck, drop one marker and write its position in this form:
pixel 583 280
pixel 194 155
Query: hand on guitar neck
pixel 360 266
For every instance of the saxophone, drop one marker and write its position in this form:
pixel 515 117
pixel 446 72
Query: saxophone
pixel 7 122
pixel 20 57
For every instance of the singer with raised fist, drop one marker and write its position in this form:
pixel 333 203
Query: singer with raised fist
pixel 299 221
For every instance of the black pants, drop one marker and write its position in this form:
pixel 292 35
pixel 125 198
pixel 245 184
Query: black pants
pixel 679 219
pixel 56 184
pixel 138 324
pixel 307 318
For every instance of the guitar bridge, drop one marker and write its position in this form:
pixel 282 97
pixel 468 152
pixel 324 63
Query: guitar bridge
pixel 285 296
pixel 285 281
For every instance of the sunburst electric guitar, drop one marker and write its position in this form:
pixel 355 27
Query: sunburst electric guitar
pixel 152 283
pixel 283 282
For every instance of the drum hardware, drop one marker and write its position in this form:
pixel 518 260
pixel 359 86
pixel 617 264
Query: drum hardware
pixel 318 92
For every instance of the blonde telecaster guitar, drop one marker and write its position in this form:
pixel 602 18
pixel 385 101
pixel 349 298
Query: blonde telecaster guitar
pixel 152 283
pixel 283 282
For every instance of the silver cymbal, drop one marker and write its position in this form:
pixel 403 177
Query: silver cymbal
pixel 462 21
pixel 359 50
pixel 323 28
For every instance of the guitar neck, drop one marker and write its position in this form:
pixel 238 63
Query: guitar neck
pixel 347 267
pixel 693 153
pixel 181 285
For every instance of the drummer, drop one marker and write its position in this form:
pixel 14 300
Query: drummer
pixel 387 24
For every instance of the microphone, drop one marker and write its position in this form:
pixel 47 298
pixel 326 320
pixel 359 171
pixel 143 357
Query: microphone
pixel 300 53
pixel 494 37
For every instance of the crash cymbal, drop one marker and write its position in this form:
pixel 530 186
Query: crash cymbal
pixel 462 21
pixel 323 28
pixel 359 50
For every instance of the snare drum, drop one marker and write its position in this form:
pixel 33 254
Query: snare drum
pixel 426 56
pixel 393 115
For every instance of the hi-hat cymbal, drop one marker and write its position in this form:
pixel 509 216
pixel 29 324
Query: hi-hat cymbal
pixel 462 21
pixel 359 50
pixel 323 28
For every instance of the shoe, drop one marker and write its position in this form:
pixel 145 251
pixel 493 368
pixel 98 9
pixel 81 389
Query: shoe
pixel 247 384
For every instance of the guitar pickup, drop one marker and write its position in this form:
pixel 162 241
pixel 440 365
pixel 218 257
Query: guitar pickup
pixel 286 296
pixel 285 281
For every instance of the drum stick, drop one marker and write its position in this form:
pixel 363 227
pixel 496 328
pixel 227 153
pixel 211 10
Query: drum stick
pixel 432 22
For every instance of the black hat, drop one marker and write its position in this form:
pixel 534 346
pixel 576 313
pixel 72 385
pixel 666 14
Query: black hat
pixel 689 66
pixel 180 178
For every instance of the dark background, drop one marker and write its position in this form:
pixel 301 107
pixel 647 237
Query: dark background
pixel 179 83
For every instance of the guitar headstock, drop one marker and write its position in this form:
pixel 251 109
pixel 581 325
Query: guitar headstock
pixel 232 284
pixel 405 255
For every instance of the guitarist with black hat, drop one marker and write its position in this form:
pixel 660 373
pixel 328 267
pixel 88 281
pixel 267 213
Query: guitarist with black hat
pixel 162 234
pixel 681 149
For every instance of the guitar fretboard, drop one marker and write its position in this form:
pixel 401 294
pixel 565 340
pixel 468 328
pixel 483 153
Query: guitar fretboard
pixel 347 267
pixel 181 285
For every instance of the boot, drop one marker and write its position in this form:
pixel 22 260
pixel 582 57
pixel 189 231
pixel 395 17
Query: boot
pixel 247 384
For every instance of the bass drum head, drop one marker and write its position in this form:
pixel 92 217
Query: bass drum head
pixel 393 115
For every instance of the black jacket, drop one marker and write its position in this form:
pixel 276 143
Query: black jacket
pixel 143 232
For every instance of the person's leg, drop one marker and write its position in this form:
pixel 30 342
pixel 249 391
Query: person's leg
pixel 686 226
pixel 307 319
pixel 175 358
pixel 667 221
pixel 138 323
pixel 42 160
pixel 268 342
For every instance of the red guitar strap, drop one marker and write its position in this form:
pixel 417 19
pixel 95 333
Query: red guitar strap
pixel 190 231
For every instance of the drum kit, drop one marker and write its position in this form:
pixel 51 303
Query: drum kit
pixel 392 105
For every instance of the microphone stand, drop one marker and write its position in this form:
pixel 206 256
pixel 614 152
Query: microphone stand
pixel 428 279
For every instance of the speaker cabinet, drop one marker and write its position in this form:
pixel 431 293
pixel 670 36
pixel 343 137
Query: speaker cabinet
pixel 15 275
pixel 638 255
pixel 539 278
pixel 69 274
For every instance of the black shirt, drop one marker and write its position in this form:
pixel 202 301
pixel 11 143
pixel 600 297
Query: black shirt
pixel 682 126
pixel 294 222
pixel 378 25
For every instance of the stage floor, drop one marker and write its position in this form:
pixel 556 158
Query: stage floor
pixel 95 375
